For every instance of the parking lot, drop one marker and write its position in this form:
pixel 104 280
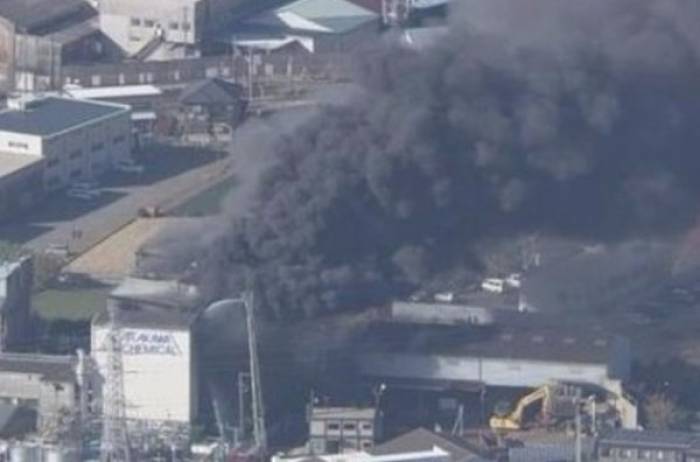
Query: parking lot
pixel 172 174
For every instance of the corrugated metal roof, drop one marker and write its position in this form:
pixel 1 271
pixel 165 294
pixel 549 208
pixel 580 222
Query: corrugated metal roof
pixel 52 368
pixel 53 115
pixel 651 439
pixel 315 9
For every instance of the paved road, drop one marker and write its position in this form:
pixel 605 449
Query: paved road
pixel 174 175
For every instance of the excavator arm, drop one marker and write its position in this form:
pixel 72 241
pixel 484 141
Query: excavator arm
pixel 513 421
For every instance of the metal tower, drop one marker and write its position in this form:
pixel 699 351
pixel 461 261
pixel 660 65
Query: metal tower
pixel 115 439
pixel 258 407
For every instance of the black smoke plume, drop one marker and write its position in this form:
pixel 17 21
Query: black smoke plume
pixel 577 118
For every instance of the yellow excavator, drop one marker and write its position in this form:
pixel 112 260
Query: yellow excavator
pixel 551 396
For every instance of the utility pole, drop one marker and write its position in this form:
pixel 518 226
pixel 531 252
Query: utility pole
pixel 115 439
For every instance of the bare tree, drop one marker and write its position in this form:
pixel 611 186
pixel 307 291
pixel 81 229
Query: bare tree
pixel 662 412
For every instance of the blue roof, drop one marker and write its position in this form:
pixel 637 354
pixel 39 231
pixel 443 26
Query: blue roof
pixel 52 115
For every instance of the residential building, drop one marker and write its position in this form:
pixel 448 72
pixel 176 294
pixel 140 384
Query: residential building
pixel 334 430
pixel 76 139
pixel 37 37
pixel 211 107
pixel 16 278
pixel 155 321
pixel 637 446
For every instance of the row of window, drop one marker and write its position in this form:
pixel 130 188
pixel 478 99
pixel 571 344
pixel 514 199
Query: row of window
pixel 347 426
pixel 642 454
pixel 152 23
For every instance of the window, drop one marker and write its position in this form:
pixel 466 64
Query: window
pixel 186 26
pixel 119 139
pixel 333 426
pixel 98 146
pixel 135 22
pixel 52 162
pixel 626 454
pixel 75 154
pixel 76 173
pixel 174 26
pixel 367 426
pixel 645 454
pixel 366 444
pixel 660 455
pixel 349 427
pixel 149 23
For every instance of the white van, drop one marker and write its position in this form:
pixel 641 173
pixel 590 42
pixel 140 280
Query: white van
pixel 493 285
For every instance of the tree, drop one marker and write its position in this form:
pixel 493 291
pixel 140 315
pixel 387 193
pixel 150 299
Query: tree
pixel 663 413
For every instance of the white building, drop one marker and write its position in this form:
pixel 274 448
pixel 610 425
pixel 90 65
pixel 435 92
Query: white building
pixel 138 27
pixel 76 139
pixel 158 353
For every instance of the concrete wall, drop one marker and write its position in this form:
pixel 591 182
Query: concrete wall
pixel 441 313
pixel 158 381
pixel 7 55
pixel 16 280
pixel 493 372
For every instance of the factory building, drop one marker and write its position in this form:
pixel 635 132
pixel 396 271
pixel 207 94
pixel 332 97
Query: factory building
pixel 635 446
pixel 45 385
pixel 68 139
pixel 334 430
pixel 16 278
pixel 310 26
pixel 163 29
pixel 522 351
pixel 523 354
pixel 155 321
pixel 37 37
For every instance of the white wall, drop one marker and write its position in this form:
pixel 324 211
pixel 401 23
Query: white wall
pixel 19 143
pixel 158 383
pixel 493 372
pixel 131 23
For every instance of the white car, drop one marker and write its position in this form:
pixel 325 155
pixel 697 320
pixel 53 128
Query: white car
pixel 79 194
pixel 128 166
pixel 88 187
pixel 494 285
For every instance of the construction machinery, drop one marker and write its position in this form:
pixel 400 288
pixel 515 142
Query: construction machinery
pixel 558 403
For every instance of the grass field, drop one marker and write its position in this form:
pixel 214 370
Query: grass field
pixel 207 202
pixel 70 304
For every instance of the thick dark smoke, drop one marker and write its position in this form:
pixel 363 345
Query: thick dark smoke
pixel 578 118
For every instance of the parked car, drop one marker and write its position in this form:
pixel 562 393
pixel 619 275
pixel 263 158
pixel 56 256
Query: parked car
pixel 80 194
pixel 129 166
pixel 87 187
pixel 494 285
